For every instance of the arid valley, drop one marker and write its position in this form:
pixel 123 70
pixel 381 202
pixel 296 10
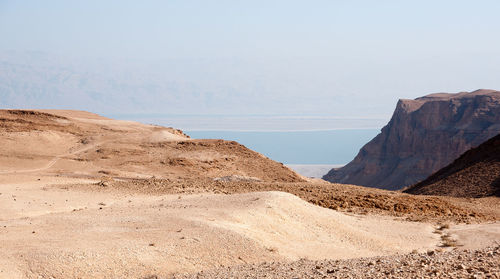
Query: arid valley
pixel 249 139
pixel 84 196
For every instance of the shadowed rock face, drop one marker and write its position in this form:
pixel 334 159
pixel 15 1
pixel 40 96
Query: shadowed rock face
pixel 474 174
pixel 423 136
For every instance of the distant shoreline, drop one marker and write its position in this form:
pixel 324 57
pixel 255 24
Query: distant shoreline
pixel 313 170
pixel 241 123
pixel 280 131
pixel 309 148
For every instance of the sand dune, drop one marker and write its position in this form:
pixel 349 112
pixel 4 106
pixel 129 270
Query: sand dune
pixel 87 235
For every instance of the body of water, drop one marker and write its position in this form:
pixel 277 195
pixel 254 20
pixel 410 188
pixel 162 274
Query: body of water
pixel 336 147
pixel 312 170
pixel 311 145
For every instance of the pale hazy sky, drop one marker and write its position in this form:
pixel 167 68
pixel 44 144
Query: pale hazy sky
pixel 344 58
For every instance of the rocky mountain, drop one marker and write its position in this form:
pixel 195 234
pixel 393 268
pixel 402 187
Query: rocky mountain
pixel 423 136
pixel 474 174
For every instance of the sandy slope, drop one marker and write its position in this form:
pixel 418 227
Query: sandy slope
pixel 75 143
pixel 72 233
pixel 67 233
pixel 57 220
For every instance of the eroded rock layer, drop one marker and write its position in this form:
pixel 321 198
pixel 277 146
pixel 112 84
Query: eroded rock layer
pixel 423 136
pixel 474 174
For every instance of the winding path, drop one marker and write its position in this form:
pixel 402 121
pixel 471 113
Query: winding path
pixel 52 162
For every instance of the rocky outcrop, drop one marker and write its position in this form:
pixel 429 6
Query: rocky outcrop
pixel 474 174
pixel 423 136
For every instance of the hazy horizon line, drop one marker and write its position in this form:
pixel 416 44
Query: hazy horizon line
pixel 278 131
pixel 274 116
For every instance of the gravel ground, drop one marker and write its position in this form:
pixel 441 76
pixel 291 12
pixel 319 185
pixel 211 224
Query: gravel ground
pixel 484 263
pixel 344 198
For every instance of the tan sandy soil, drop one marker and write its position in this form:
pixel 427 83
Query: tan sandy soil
pixel 87 145
pixel 82 196
pixel 45 231
pixel 340 197
pixel 49 228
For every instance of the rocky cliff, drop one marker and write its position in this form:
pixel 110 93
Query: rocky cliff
pixel 423 136
pixel 476 173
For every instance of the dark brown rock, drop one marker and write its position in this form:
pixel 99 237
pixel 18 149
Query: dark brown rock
pixel 423 136
pixel 476 173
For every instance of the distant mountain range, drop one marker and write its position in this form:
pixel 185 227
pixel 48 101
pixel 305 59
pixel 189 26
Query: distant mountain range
pixel 42 81
pixel 423 136
pixel 197 86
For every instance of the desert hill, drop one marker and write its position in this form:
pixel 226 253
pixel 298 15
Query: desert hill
pixel 476 173
pixel 84 196
pixel 76 143
pixel 423 136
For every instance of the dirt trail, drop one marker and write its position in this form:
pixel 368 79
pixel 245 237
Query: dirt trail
pixel 29 138
pixel 205 204
pixel 52 162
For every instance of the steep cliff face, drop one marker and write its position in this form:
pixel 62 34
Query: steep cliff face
pixel 474 174
pixel 423 136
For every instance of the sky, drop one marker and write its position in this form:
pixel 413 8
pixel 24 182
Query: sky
pixel 347 59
